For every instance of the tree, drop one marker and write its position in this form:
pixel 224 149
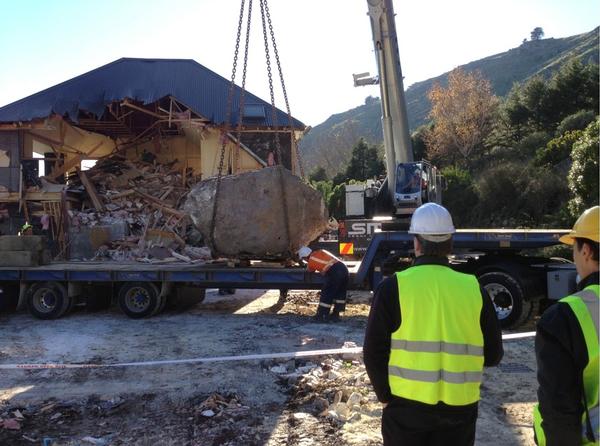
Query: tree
pixel 573 88
pixel 463 116
pixel 583 176
pixel 337 202
pixel 365 162
pixel 536 98
pixel 576 121
pixel 565 102
pixel 537 34
pixel 318 174
pixel 419 143
pixel 558 149
pixel 339 178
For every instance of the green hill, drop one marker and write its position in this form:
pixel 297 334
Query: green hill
pixel 329 144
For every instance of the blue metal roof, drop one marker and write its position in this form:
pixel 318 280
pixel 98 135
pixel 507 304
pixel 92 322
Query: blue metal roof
pixel 145 80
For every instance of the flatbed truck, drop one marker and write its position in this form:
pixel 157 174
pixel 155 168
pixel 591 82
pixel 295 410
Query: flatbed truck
pixel 515 282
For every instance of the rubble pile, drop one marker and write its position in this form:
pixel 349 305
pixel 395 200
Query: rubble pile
pixel 167 212
pixel 331 402
pixel 144 195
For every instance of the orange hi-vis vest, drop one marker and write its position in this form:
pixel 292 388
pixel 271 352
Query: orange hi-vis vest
pixel 321 260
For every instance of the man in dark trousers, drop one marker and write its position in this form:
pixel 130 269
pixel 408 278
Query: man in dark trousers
pixel 335 287
pixel 431 330
pixel 566 348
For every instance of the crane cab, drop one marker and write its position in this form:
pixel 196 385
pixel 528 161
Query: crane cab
pixel 416 183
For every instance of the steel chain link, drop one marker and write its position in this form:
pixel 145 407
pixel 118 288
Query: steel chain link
pixel 226 128
pixel 243 92
pixel 265 17
pixel 264 9
pixel 271 90
pixel 285 96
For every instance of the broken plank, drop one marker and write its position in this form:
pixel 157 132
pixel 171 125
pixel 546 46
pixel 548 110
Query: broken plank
pixel 156 202
pixel 167 192
pixel 91 190
pixel 73 162
pixel 180 257
pixel 122 194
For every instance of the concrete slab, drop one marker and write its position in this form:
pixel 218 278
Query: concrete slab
pixel 24 243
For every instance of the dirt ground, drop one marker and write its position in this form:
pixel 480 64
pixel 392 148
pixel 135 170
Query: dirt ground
pixel 324 400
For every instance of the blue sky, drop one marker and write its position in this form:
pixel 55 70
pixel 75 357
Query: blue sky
pixel 321 42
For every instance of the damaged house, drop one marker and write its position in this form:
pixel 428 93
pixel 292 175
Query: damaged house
pixel 124 143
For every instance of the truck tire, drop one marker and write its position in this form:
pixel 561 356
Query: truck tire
pixel 187 296
pixel 508 298
pixel 48 300
pixel 9 296
pixel 139 299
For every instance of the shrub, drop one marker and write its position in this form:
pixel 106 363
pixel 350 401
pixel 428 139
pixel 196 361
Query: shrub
pixel 516 195
pixel 459 197
pixel 557 149
pixel 576 121
pixel 583 176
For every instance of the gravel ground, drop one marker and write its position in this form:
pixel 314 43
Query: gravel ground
pixel 325 400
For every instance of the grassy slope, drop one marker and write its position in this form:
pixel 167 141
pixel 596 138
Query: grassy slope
pixel 542 57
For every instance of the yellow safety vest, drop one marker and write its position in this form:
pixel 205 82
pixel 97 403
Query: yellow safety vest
pixel 585 306
pixel 437 353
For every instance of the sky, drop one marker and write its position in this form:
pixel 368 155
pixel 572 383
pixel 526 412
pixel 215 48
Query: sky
pixel 321 43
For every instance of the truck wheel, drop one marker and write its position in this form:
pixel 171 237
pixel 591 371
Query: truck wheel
pixel 139 299
pixel 186 297
pixel 48 300
pixel 9 296
pixel 507 295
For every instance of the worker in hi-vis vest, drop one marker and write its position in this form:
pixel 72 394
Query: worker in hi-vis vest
pixel 566 349
pixel 430 332
pixel 334 290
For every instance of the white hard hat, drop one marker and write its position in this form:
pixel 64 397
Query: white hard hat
pixel 304 252
pixel 432 222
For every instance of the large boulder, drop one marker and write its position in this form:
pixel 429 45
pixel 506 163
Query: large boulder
pixel 250 221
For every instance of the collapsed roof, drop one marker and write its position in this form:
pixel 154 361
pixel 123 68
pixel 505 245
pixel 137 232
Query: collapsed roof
pixel 109 99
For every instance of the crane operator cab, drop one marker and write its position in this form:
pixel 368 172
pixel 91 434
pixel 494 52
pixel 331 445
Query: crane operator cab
pixel 416 183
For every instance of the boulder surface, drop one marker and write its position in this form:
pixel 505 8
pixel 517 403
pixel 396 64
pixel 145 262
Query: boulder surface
pixel 250 221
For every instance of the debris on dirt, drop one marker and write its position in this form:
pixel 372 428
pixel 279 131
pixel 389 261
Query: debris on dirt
pixel 11 423
pixel 320 400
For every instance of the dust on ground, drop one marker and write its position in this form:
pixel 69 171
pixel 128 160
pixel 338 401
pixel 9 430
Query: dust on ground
pixel 325 400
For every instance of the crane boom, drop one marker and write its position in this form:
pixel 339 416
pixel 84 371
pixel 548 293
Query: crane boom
pixel 398 148
pixel 409 183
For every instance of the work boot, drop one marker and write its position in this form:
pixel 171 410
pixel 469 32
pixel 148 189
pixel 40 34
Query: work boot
pixel 322 315
pixel 335 317
pixel 320 318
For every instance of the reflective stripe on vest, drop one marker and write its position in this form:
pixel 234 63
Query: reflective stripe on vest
pixel 437 353
pixel 437 347
pixel 585 307
pixel 321 260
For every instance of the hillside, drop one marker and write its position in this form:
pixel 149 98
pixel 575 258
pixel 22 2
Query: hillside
pixel 329 144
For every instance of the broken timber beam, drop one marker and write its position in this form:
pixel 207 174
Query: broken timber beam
pixel 159 205
pixel 73 162
pixel 91 190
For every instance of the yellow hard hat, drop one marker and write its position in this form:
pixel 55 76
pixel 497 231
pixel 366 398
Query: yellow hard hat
pixel 586 226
